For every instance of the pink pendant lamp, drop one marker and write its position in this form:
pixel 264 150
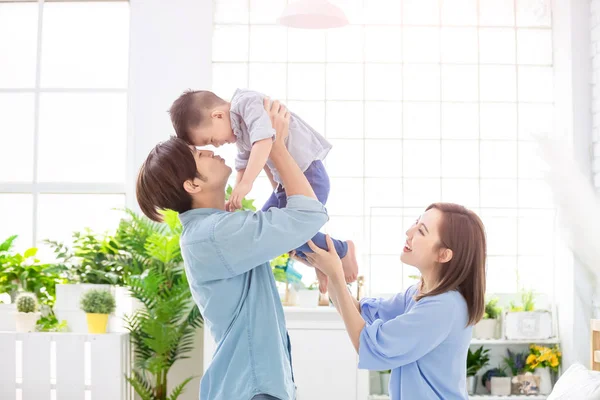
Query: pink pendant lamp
pixel 313 14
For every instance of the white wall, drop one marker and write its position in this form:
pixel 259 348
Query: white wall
pixel 170 51
pixel 595 59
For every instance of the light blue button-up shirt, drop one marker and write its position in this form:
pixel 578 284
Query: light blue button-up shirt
pixel 226 258
pixel 251 123
pixel 423 342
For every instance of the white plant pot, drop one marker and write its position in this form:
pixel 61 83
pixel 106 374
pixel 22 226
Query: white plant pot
pixel 471 384
pixel 486 329
pixel 385 382
pixel 545 380
pixel 533 325
pixel 500 386
pixel 25 322
pixel 67 306
pixel 307 298
pixel 7 317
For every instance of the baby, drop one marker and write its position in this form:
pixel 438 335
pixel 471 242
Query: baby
pixel 202 118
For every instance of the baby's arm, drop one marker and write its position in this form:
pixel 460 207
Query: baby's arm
pixel 246 177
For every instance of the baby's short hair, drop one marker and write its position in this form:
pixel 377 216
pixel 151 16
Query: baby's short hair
pixel 191 110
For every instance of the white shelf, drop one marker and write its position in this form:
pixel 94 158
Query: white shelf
pixel 491 342
pixel 478 397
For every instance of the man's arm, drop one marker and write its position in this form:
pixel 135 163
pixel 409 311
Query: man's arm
pixel 270 176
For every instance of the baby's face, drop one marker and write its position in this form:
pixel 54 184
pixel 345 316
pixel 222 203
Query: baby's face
pixel 217 133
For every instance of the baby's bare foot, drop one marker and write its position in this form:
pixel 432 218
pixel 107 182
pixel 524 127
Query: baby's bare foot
pixel 350 264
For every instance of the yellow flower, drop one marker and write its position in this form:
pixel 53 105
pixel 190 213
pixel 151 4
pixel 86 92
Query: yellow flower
pixel 534 365
pixel 554 362
pixel 545 356
pixel 531 359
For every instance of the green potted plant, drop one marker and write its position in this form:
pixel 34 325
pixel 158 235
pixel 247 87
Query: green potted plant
pixel 97 305
pixel 524 321
pixel 522 378
pixel 496 382
pixel 488 327
pixel 27 312
pixel 475 362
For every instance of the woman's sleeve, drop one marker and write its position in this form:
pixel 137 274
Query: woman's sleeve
pixel 408 337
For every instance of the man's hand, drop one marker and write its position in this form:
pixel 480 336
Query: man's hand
pixel 238 194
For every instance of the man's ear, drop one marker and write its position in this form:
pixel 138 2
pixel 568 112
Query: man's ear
pixel 192 186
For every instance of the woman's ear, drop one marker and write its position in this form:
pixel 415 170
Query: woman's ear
pixel 445 255
pixel 192 186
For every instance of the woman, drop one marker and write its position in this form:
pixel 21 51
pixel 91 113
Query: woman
pixel 424 333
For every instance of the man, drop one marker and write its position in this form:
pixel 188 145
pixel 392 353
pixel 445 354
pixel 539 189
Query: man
pixel 227 260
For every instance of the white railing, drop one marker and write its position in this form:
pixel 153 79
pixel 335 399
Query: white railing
pixel 64 366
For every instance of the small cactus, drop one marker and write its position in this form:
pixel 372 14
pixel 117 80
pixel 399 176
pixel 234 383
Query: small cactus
pixel 27 303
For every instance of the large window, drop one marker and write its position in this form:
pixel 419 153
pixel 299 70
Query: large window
pixel 424 101
pixel 63 130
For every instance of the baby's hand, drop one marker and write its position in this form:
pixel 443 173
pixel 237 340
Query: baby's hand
pixel 240 191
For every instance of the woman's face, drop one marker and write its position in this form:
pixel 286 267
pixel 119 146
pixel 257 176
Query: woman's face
pixel 422 246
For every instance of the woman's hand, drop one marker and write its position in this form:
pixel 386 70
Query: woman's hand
pixel 327 261
pixel 280 119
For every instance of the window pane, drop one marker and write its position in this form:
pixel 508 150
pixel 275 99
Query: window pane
pixel 459 45
pixel 17 219
pixel 266 11
pixel 230 43
pixel 460 121
pixel 536 232
pixel 501 231
pixel 346 158
pixel 382 192
pixel 312 112
pixel 459 12
pixel 461 191
pixel 421 44
pixel 460 83
pixel 421 82
pixel 306 81
pixel 16 137
pixel 79 51
pixel 386 273
pixel 535 119
pixel 226 78
pixel 460 158
pixel 386 12
pixel 383 82
pixel 383 44
pixel 501 275
pixel 530 163
pixel 536 84
pixel 387 234
pixel 497 46
pixel 533 13
pixel 498 121
pixel 268 78
pixel 421 192
pixel 421 12
pixel 498 159
pixel 18 44
pixel 498 83
pixel 345 119
pixel 535 194
pixel 82 137
pixel 268 43
pixel 306 45
pixel 346 197
pixel 345 44
pixel 59 215
pixel 421 158
pixel 499 193
pixel 345 81
pixel 421 120
pixel 535 46
pixel 383 158
pixel 496 13
pixel 231 11
pixel 383 119
pixel 537 273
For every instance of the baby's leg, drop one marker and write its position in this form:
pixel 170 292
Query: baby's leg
pixel 319 180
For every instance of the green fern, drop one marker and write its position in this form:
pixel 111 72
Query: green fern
pixel 178 390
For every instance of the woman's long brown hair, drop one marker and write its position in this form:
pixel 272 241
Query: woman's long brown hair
pixel 462 231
